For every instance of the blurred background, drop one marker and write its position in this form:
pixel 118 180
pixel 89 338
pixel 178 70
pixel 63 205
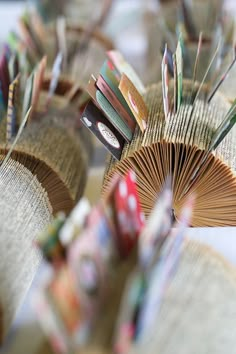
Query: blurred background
pixel 124 24
pixel 128 22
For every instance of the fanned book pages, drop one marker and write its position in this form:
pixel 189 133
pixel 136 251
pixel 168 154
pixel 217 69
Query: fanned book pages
pixel 178 146
pixel 25 211
pixel 43 171
pixel 56 158
pixel 159 291
pixel 192 18
pixel 66 103
pixel 51 145
pixel 195 315
pixel 193 311
pixel 70 52
pixel 91 242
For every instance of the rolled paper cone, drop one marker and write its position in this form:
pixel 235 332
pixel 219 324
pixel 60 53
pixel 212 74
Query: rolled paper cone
pixel 87 61
pixel 56 157
pixel 155 42
pixel 152 59
pixel 82 61
pixel 98 45
pixel 80 11
pixel 50 48
pixel 204 59
pixel 169 13
pixel 176 147
pixel 49 10
pixel 67 109
pixel 98 36
pixel 25 211
pixel 59 100
pixel 194 307
pixel 228 86
pixel 204 15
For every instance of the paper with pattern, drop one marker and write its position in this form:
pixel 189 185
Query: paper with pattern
pixel 135 101
pixel 125 68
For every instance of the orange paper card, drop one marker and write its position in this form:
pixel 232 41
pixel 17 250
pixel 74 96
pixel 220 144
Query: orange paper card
pixel 135 101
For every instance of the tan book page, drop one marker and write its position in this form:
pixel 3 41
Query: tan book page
pixel 56 157
pixel 177 147
pixel 188 125
pixel 215 186
pixel 194 291
pixel 25 211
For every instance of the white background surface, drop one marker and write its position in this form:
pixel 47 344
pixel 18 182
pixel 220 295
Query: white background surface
pixel 9 12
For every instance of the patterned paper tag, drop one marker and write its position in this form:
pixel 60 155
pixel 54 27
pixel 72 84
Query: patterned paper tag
pixel 135 101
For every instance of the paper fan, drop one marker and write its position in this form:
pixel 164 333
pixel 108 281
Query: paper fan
pixel 66 103
pixel 50 145
pixel 203 14
pixel 57 159
pixel 196 316
pixel 193 309
pixel 177 147
pixel 25 211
